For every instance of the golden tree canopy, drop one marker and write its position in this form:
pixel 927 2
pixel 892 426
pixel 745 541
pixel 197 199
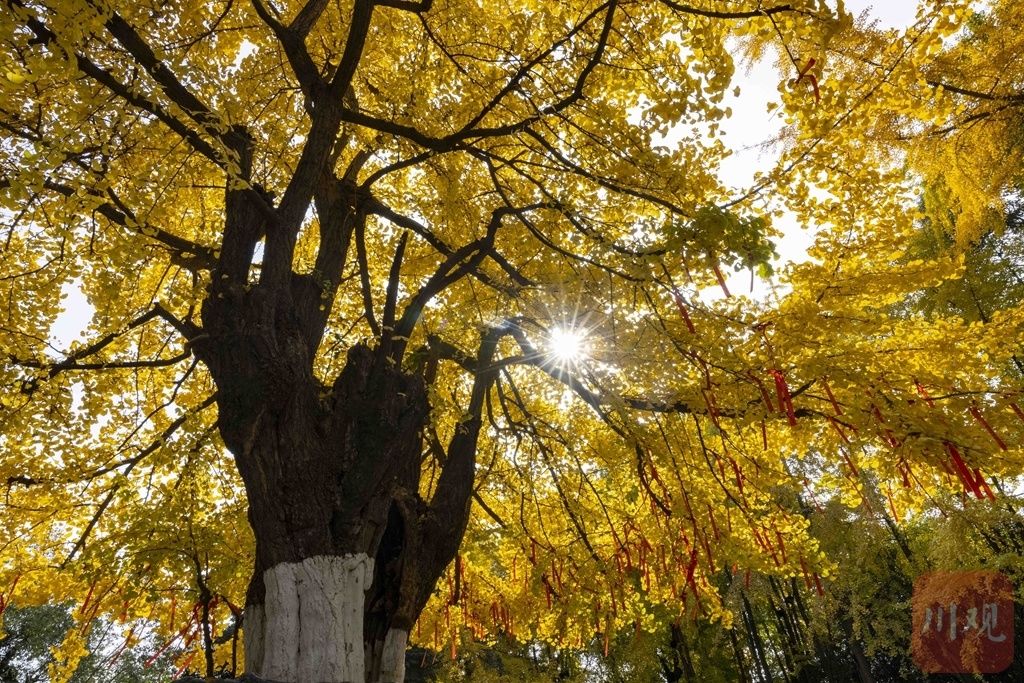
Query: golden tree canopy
pixel 501 166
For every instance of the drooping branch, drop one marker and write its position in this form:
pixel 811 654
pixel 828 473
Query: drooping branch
pixel 546 455
pixel 978 95
pixel 513 83
pixel 575 218
pixel 547 241
pixel 130 465
pixel 548 364
pixel 71 362
pixel 604 182
pixel 471 131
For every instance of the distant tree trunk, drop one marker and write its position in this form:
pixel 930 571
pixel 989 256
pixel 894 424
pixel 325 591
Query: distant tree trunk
pixel 863 666
pixel 676 664
pixel 742 673
pixel 756 644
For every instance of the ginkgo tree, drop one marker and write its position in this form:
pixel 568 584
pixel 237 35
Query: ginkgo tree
pixel 366 275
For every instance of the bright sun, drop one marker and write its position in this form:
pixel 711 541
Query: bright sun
pixel 566 345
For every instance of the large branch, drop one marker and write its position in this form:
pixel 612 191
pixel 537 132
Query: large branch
pixel 105 78
pixel 455 485
pixel 378 208
pixel 362 13
pixel 201 255
pixel 317 153
pixel 307 17
pixel 365 285
pixel 408 5
pixel 292 39
pixel 338 214
pixel 107 365
pixel 391 297
pixel 172 87
pixel 458 265
pixel 717 14
pixel 471 131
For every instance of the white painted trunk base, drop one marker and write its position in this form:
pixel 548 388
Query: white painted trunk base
pixel 392 657
pixel 310 627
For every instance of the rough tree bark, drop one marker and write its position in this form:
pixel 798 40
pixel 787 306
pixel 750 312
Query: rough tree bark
pixel 347 551
pixel 332 479
pixel 332 476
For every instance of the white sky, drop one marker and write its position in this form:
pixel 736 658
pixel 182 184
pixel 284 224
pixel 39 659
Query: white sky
pixel 752 126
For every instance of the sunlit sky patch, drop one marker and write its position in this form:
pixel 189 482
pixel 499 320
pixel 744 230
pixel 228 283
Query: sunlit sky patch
pixel 567 345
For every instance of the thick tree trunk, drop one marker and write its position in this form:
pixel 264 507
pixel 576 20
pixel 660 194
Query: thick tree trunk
pixel 347 550
pixel 385 660
pixel 310 627
pixel 319 509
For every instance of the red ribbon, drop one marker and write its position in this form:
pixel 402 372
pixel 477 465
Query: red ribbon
pixel 924 394
pixel 691 569
pixel 980 481
pixel 682 311
pixel 988 428
pixel 784 397
pixel 831 397
pixel 721 280
pixel 961 469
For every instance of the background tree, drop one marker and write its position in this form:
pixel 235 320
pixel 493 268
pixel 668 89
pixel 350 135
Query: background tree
pixel 33 633
pixel 358 269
